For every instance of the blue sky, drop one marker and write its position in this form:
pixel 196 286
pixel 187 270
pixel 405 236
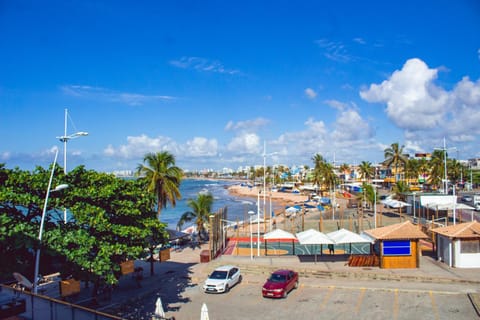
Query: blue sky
pixel 211 81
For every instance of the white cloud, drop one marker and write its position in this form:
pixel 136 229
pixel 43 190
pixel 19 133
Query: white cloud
pixel 245 143
pixel 248 125
pixel 137 147
pixel 350 127
pixel 202 65
pixel 310 93
pixel 201 147
pixel 359 40
pixel 103 94
pixel 413 101
pixel 335 51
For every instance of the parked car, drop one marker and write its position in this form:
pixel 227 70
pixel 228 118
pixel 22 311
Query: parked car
pixel 477 206
pixel 222 279
pixel 280 283
pixel 467 198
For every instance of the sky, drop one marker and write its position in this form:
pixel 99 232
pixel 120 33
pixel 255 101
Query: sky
pixel 229 84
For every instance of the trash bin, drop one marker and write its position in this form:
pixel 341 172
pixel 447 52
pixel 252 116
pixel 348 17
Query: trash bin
pixel 205 256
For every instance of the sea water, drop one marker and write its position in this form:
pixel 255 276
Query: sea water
pixel 237 207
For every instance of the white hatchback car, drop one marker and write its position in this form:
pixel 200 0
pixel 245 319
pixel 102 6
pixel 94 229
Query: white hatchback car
pixel 222 279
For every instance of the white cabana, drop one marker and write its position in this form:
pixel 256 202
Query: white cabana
pixel 344 236
pixel 312 236
pixel 279 234
pixel 392 203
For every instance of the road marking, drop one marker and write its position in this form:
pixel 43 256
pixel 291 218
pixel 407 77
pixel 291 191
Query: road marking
pixel 360 300
pixel 434 305
pixel 327 297
pixel 395 304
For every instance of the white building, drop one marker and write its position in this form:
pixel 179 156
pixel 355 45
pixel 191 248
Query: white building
pixel 459 245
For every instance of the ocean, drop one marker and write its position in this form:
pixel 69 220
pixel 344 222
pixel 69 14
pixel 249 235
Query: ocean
pixel 237 207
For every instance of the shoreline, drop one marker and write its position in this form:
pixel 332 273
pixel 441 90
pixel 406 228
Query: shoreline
pixel 280 199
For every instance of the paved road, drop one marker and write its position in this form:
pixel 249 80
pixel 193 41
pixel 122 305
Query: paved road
pixel 317 299
pixel 329 290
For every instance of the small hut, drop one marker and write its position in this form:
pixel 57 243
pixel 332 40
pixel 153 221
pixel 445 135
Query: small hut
pixel 459 245
pixel 397 245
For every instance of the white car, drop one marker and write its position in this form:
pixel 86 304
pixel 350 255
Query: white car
pixel 222 279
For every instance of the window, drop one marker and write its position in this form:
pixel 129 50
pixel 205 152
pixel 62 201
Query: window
pixel 470 246
pixel 396 248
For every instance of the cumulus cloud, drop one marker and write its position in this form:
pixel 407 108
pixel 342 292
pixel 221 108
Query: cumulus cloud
pixel 350 126
pixel 310 93
pixel 245 143
pixel 103 94
pixel 203 65
pixel 201 147
pixel 413 100
pixel 138 146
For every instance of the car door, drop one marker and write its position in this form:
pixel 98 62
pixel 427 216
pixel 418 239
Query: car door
pixel 232 277
pixel 290 281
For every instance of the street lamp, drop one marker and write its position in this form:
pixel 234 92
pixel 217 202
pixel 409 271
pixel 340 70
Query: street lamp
pixel 44 212
pixel 445 186
pixel 251 213
pixel 65 139
pixel 264 178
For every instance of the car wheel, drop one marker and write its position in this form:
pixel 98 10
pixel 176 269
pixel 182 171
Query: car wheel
pixel 240 279
pixel 296 285
pixel 284 295
pixel 227 288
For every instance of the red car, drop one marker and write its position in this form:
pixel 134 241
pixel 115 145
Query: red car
pixel 280 283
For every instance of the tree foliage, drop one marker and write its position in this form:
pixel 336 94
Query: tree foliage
pixel 111 220
pixel 163 178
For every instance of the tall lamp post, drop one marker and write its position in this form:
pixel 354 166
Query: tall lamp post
pixel 250 214
pixel 445 185
pixel 65 139
pixel 44 212
pixel 264 180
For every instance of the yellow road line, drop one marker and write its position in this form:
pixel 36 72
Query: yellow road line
pixel 395 304
pixel 434 305
pixel 360 300
pixel 327 297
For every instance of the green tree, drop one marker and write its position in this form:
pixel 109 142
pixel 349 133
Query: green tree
pixel 437 168
pixel 394 156
pixel 162 178
pixel 366 170
pixel 112 221
pixel 323 172
pixel 201 209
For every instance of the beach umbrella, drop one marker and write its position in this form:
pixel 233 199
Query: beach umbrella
pixel 159 308
pixel 204 312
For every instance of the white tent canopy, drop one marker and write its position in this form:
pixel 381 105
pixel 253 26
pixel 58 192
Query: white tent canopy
pixel 312 236
pixel 395 203
pixel 343 236
pixel 278 234
pixel 449 206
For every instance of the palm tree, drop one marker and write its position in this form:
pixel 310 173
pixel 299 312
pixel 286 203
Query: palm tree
pixel 437 168
pixel 394 156
pixel 201 208
pixel 366 170
pixel 162 177
pixel 323 172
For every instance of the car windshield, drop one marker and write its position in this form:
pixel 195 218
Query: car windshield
pixel 218 275
pixel 278 278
